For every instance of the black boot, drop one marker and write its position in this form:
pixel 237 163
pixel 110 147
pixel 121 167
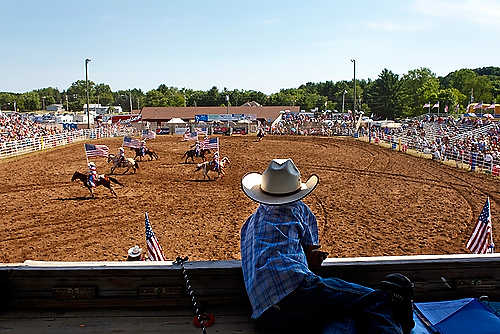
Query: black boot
pixel 400 290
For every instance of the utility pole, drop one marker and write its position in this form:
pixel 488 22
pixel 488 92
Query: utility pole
pixel 227 112
pixel 130 100
pixel 343 97
pixel 88 98
pixel 354 111
pixel 67 103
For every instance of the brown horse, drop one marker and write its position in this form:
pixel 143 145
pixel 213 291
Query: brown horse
pixel 192 153
pixel 104 180
pixel 138 154
pixel 210 166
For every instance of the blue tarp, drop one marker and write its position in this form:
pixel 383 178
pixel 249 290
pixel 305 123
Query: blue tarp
pixel 462 316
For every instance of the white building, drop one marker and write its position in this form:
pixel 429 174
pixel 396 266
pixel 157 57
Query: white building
pixel 82 118
pixel 64 118
pixel 98 109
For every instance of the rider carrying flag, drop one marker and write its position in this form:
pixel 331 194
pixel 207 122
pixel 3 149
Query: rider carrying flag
pixel 121 155
pixel 215 160
pixel 143 148
pixel 92 174
pixel 197 148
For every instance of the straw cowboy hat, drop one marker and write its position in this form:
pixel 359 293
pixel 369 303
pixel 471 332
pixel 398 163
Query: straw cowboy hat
pixel 279 184
pixel 135 251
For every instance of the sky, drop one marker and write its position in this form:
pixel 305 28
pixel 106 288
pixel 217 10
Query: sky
pixel 258 45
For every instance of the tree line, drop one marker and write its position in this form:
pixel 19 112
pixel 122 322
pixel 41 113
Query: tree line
pixel 388 96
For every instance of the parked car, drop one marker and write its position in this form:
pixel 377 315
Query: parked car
pixel 219 130
pixel 240 131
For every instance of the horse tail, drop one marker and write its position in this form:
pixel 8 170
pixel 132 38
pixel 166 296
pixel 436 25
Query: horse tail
pixel 136 164
pixel 185 154
pixel 198 167
pixel 112 179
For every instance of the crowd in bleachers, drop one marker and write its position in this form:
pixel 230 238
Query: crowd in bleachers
pixel 16 126
pixel 473 141
pixel 305 124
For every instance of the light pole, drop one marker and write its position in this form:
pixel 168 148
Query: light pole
pixel 130 100
pixel 343 98
pixel 43 102
pixel 87 84
pixel 354 111
pixel 227 112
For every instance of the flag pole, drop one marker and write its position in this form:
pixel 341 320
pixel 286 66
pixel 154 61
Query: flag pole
pixel 86 156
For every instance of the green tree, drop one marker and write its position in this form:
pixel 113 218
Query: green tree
pixel 416 88
pixel 31 101
pixel 385 95
pixel 103 94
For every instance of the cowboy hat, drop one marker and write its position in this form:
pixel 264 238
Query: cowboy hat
pixel 135 251
pixel 279 184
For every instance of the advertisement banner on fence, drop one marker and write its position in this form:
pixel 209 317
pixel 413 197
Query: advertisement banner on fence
pixel 251 117
pixel 213 117
pixel 180 131
pixel 201 118
pixel 225 117
pixel 238 117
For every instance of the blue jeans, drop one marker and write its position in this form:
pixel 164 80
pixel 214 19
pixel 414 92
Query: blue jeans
pixel 332 306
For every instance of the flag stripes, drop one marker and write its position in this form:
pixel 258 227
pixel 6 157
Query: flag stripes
pixel 155 253
pixel 131 142
pixel 96 150
pixel 481 239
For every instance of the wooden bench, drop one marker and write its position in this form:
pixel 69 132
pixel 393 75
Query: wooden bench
pixel 149 297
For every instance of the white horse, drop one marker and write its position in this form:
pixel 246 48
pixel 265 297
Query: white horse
pixel 128 163
pixel 210 166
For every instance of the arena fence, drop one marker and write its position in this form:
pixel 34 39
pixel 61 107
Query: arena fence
pixel 27 145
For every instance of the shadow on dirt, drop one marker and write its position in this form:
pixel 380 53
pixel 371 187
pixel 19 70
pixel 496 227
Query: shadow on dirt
pixel 81 198
pixel 211 180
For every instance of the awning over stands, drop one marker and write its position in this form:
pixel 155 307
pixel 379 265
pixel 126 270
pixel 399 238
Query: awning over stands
pixel 176 121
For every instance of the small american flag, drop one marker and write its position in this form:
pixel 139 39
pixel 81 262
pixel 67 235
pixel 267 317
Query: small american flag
pixel 446 109
pixel 148 134
pixel 190 135
pixel 492 106
pixel 155 253
pixel 478 106
pixel 96 150
pixel 131 142
pixel 436 105
pixel 427 105
pixel 456 108
pixel 482 239
pixel 212 143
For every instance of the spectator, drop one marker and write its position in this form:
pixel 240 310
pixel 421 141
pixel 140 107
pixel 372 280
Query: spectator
pixel 280 254
pixel 135 254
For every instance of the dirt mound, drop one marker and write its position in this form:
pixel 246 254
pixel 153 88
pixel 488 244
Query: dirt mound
pixel 370 201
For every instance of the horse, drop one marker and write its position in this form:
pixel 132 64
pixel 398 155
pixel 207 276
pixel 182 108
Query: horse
pixel 138 154
pixel 102 180
pixel 128 163
pixel 192 153
pixel 210 166
pixel 260 134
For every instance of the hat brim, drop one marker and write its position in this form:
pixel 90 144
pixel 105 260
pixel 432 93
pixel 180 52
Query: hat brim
pixel 250 184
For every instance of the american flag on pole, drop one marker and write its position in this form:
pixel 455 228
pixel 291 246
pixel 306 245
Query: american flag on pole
pixel 96 150
pixel 213 143
pixel 155 253
pixel 148 134
pixel 190 135
pixel 436 105
pixel 201 131
pixel 445 108
pixel 427 105
pixel 478 106
pixel 456 108
pixel 492 106
pixel 482 239
pixel 131 142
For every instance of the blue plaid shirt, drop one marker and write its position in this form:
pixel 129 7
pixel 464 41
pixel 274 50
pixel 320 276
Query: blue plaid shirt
pixel 273 259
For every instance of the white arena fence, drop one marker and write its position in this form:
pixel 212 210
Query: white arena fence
pixel 27 145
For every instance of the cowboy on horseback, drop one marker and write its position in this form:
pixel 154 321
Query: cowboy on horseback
pixel 197 148
pixel 215 161
pixel 92 179
pixel 121 155
pixel 143 148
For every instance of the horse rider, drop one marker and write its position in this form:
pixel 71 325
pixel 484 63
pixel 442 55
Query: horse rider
pixel 197 148
pixel 121 155
pixel 215 161
pixel 143 148
pixel 92 175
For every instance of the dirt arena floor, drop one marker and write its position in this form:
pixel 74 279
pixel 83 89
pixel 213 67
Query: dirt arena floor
pixel 371 201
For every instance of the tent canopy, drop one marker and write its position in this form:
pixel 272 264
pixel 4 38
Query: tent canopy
pixel 176 120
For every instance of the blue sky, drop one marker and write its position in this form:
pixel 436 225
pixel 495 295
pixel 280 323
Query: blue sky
pixel 260 45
